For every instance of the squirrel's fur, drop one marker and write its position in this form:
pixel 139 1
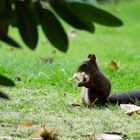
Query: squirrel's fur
pixel 97 89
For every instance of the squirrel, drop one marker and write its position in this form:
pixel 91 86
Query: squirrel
pixel 97 87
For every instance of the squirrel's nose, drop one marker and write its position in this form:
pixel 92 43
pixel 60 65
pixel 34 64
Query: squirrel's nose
pixel 78 70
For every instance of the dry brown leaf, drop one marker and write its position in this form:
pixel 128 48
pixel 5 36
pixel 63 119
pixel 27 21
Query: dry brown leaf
pixel 26 123
pixel 130 109
pixel 48 135
pixel 113 65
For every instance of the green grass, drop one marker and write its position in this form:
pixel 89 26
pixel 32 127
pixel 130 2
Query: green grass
pixel 44 97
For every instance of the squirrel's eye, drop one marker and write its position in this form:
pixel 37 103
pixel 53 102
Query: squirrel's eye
pixel 85 65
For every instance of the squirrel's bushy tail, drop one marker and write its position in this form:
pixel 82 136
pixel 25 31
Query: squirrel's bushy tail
pixel 125 97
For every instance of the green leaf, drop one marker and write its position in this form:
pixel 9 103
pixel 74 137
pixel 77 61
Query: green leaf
pixel 92 13
pixel 53 29
pixel 8 40
pixel 6 81
pixel 26 24
pixel 65 12
pixel 4 27
pixel 3 95
pixel 2 7
pixel 7 15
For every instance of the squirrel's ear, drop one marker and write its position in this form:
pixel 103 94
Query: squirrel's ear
pixel 89 55
pixel 92 57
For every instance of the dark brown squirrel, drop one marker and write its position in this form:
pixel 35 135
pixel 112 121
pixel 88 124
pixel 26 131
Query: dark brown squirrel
pixel 97 88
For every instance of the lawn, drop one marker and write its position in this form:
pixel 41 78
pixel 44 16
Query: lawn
pixel 43 93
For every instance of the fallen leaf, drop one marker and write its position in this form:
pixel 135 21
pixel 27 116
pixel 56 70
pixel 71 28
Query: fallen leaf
pixel 109 136
pixel 72 33
pixel 26 123
pixel 48 135
pixel 130 109
pixel 113 65
pixel 47 59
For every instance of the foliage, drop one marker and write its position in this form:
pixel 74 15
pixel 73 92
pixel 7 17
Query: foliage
pixel 5 82
pixel 26 15
pixel 108 1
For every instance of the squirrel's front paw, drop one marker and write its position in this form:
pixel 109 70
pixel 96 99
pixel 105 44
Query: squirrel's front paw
pixel 80 84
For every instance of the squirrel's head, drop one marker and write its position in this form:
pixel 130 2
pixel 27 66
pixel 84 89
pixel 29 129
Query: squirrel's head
pixel 89 65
